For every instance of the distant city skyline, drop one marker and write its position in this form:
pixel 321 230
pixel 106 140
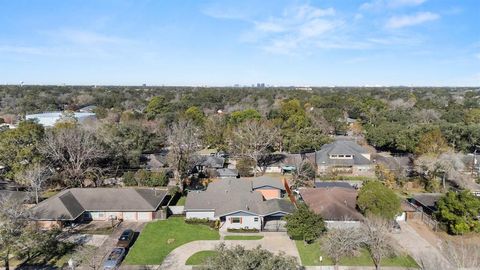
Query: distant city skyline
pixel 228 43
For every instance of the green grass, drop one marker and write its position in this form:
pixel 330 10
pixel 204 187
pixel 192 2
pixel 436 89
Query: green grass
pixel 181 201
pixel 159 238
pixel 200 257
pixel 243 237
pixel 311 253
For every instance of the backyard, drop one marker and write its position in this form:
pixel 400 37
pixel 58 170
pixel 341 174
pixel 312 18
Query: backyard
pixel 159 238
pixel 310 256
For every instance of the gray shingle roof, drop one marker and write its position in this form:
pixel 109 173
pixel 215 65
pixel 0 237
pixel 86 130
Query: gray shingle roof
pixel 211 161
pixel 342 147
pixel 267 181
pixel 226 172
pixel 276 205
pixel 331 184
pixel 428 199
pixel 71 203
pixel 225 196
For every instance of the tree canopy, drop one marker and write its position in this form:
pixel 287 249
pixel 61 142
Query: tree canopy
pixel 374 198
pixel 459 211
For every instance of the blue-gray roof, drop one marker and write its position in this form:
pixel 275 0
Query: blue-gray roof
pixel 342 147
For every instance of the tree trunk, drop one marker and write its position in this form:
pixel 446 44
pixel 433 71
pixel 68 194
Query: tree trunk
pixel 36 195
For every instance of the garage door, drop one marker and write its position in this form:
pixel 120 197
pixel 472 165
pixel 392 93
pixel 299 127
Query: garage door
pixel 130 216
pixel 274 224
pixel 144 216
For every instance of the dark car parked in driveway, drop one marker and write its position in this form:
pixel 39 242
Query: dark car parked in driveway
pixel 126 239
pixel 114 259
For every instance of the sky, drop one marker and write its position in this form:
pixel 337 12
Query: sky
pixel 222 43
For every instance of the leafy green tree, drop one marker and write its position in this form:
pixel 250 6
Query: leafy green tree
pixel 156 106
pixel 156 179
pixel 238 257
pixel 238 117
pixel 195 115
pixel 459 211
pixel 305 224
pixel 432 142
pixel 19 147
pixel 376 199
pixel 309 138
pixel 129 179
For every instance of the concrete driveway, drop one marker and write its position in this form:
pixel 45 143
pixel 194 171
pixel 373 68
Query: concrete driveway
pixel 109 243
pixel 419 248
pixel 274 242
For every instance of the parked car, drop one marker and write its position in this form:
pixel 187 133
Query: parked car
pixel 126 239
pixel 114 259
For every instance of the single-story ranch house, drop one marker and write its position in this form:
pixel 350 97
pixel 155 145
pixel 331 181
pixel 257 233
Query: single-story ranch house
pixel 337 205
pixel 85 204
pixel 241 203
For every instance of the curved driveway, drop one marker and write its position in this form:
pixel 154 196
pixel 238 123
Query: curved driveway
pixel 274 242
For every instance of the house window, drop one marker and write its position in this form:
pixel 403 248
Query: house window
pixel 255 219
pixel 348 156
pixel 340 156
pixel 236 220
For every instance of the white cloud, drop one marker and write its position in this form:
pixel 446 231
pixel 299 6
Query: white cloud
pixel 84 37
pixel 297 26
pixel 410 20
pixel 378 5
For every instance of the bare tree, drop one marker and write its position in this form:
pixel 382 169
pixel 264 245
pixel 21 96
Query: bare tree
pixel 446 166
pixel 304 174
pixel 462 255
pixel 338 243
pixel 376 238
pixel 183 141
pixel 252 139
pixel 35 177
pixel 13 221
pixel 75 151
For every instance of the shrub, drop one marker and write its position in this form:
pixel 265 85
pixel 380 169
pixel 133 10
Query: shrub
pixel 243 230
pixel 202 221
pixel 129 179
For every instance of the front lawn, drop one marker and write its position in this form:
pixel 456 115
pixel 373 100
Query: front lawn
pixel 159 238
pixel 200 257
pixel 243 237
pixel 310 256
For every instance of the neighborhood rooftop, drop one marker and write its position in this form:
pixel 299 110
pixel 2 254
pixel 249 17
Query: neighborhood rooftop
pixel 334 204
pixel 71 203
pixel 225 196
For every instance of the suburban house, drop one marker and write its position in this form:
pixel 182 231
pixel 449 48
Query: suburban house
pixel 226 173
pixel 337 205
pixel 427 202
pixel 344 157
pixel 284 162
pixel 241 204
pixel 78 205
